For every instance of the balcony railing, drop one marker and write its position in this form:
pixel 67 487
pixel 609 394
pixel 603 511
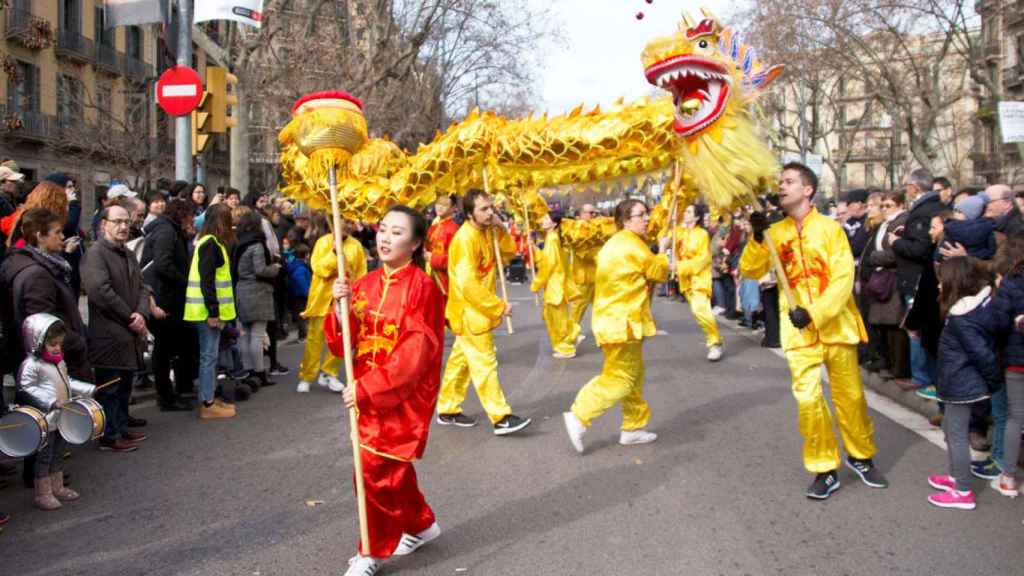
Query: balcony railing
pixel 74 46
pixel 26 125
pixel 109 59
pixel 29 30
pixel 1013 76
pixel 137 69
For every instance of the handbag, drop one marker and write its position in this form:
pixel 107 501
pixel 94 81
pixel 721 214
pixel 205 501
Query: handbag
pixel 882 284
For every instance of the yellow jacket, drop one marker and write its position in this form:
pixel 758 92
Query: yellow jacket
pixel 693 259
pixel 552 264
pixel 325 270
pixel 584 267
pixel 473 306
pixel 819 268
pixel 622 307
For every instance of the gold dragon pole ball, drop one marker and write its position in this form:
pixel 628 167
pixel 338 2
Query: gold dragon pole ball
pixel 328 128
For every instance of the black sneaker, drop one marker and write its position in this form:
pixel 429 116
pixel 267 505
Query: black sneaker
pixel 823 486
pixel 133 422
pixel 460 420
pixel 867 471
pixel 510 425
pixel 279 371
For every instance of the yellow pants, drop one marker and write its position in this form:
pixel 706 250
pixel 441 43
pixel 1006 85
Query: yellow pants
pixel 583 298
pixel 561 331
pixel 621 380
pixel 473 358
pixel 700 306
pixel 821 451
pixel 311 365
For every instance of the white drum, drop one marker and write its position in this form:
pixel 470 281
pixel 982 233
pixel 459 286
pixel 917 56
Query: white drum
pixel 23 432
pixel 81 420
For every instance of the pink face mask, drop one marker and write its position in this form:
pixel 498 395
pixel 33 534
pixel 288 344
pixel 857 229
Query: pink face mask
pixel 55 358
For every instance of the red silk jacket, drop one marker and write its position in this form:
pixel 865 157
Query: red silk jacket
pixel 439 238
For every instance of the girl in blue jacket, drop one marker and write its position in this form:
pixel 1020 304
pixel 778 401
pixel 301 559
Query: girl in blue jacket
pixel 968 370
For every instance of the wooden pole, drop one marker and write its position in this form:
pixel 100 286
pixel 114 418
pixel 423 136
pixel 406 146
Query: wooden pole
pixel 529 248
pixel 676 179
pixel 497 259
pixel 346 335
pixel 780 271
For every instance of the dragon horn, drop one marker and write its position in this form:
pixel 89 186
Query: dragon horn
pixel 688 19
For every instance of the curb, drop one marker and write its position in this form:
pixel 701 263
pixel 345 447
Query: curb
pixel 907 399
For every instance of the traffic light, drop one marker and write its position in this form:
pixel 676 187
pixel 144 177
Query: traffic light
pixel 201 125
pixel 218 83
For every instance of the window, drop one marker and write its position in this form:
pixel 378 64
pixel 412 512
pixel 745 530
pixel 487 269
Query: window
pixel 69 17
pixel 869 175
pixel 103 35
pixel 69 101
pixel 23 96
pixel 104 109
pixel 134 42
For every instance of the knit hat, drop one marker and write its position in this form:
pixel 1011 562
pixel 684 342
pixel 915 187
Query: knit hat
pixel 59 178
pixel 972 207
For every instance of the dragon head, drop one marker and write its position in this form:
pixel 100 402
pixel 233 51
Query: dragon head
pixel 707 71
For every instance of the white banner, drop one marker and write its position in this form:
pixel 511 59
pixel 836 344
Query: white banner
pixel 248 12
pixel 132 12
pixel 1011 121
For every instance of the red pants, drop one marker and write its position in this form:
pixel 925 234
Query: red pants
pixel 394 504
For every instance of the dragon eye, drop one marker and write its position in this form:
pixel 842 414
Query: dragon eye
pixel 703 44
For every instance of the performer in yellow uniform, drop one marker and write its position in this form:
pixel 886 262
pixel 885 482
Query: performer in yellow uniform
pixel 473 311
pixel 622 319
pixel 324 264
pixel 692 254
pixel 584 268
pixel 552 264
pixel 823 330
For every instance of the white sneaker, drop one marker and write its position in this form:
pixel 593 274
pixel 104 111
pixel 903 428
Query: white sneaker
pixel 409 543
pixel 715 353
pixel 360 565
pixel 631 437
pixel 560 356
pixel 576 430
pixel 581 338
pixel 331 382
pixel 303 387
pixel 718 310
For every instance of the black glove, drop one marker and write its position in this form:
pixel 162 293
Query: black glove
pixel 800 317
pixel 758 224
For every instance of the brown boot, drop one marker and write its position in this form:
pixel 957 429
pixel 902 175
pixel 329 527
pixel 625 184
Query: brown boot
pixel 63 493
pixel 44 499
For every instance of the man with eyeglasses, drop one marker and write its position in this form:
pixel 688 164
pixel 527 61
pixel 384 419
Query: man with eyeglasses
pixel 118 310
pixel 584 270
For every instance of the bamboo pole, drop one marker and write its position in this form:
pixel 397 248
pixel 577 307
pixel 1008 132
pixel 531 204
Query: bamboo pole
pixel 676 179
pixel 497 259
pixel 346 335
pixel 529 245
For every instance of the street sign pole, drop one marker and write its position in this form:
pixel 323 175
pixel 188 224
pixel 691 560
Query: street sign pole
pixel 183 124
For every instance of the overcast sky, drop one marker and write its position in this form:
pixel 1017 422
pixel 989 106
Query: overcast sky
pixel 601 60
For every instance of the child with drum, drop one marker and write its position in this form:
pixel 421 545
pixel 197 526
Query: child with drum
pixel 44 384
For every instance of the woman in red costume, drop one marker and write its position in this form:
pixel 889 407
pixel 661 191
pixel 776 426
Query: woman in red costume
pixel 397 323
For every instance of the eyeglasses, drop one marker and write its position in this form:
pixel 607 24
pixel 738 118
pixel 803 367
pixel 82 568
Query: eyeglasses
pixel 120 222
pixel 640 215
pixel 888 205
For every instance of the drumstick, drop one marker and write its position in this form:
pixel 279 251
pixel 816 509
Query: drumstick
pixel 102 386
pixel 73 411
pixel 9 426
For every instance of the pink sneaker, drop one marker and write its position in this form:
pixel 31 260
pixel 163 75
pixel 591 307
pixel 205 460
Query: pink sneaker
pixel 953 499
pixel 942 482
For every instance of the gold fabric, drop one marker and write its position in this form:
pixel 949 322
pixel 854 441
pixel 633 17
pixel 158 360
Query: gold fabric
pixel 473 306
pixel 313 355
pixel 473 358
pixel 820 270
pixel 582 296
pixel 561 330
pixel 700 306
pixel 324 264
pixel 821 450
pixel 621 380
pixel 622 307
pixel 693 259
pixel 552 270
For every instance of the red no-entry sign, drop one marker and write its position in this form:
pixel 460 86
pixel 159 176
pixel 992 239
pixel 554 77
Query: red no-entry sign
pixel 179 90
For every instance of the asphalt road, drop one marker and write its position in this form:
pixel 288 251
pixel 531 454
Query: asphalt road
pixel 721 492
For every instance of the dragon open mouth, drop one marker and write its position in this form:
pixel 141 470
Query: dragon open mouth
pixel 700 90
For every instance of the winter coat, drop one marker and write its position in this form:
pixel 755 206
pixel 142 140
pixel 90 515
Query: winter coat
pixel 857 233
pixel 41 383
pixel 914 248
pixel 165 264
pixel 74 258
pixel 114 286
pixel 300 276
pixel 254 291
pixel 977 236
pixel 1009 303
pixel 888 313
pixel 968 368
pixel 34 284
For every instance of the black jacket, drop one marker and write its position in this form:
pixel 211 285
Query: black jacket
pixel 1009 303
pixel 32 284
pixel 165 264
pixel 968 368
pixel 914 249
pixel 857 233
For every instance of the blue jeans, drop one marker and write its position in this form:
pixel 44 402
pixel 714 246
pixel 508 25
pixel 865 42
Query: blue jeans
pixel 209 347
pixel 922 364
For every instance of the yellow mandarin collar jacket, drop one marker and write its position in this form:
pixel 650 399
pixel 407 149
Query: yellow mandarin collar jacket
pixel 693 259
pixel 324 264
pixel 552 264
pixel 473 306
pixel 622 307
pixel 820 270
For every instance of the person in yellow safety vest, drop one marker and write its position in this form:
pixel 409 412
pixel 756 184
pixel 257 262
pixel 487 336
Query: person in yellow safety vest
pixel 822 330
pixel 324 263
pixel 553 279
pixel 622 319
pixel 473 311
pixel 692 254
pixel 584 268
pixel 210 302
